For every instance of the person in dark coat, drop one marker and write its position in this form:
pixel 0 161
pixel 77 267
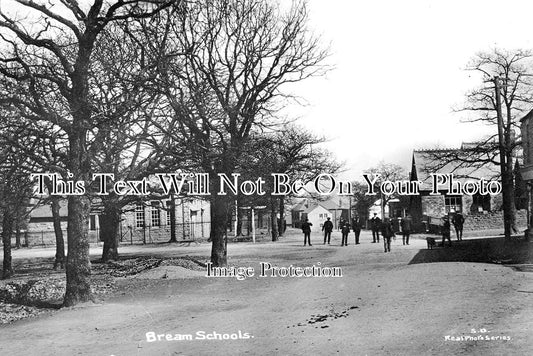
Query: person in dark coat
pixel 446 230
pixel 345 232
pixel 356 226
pixel 327 228
pixel 388 233
pixel 406 229
pixel 458 221
pixel 375 225
pixel 306 229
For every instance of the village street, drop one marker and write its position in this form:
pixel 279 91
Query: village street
pixel 382 305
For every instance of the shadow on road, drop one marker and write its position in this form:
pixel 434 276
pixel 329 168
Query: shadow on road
pixel 488 250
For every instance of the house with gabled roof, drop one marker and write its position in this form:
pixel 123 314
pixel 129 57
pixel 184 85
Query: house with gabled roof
pixel 338 208
pixel 481 211
pixel 317 215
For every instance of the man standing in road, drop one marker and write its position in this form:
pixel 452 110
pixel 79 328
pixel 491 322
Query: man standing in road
pixel 327 228
pixel 406 229
pixel 445 230
pixel 458 221
pixel 345 232
pixel 306 229
pixel 356 226
pixel 375 225
pixel 388 233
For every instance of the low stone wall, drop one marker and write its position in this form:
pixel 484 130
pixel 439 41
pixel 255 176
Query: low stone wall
pixel 493 220
pixel 479 222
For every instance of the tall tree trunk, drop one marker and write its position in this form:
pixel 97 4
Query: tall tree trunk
pixel 273 219
pixel 78 267
pixel 109 230
pixel 60 242
pixel 511 213
pixel 173 237
pixel 17 227
pixel 220 205
pixel 240 214
pixel 7 230
pixel 281 221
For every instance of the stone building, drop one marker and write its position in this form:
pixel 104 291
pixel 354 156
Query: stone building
pixel 144 222
pixel 150 221
pixel 526 127
pixel 40 225
pixel 481 211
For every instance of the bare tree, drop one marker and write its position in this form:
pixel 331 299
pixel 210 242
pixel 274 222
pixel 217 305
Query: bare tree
pixel 47 153
pixel 385 172
pixel 15 184
pixel 362 201
pixel 45 70
pixel 225 65
pixel 124 141
pixel 505 95
pixel 290 150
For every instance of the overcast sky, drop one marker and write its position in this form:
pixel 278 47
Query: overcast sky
pixel 400 70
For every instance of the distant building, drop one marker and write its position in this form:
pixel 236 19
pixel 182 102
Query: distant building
pixel 317 215
pixel 147 221
pixel 40 226
pixel 297 213
pixel 338 209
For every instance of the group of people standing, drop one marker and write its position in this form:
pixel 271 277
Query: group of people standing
pixel 458 221
pixel 327 228
pixel 381 227
pixel 385 227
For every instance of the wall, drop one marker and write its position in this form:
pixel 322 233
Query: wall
pixel 493 220
pixel 192 223
pixel 433 205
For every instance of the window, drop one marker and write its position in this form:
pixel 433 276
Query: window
pixel 139 215
pixel 453 204
pixel 92 222
pixel 480 203
pixel 155 214
pixel 169 206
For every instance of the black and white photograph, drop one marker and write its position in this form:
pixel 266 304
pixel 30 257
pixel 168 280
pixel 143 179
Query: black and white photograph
pixel 266 177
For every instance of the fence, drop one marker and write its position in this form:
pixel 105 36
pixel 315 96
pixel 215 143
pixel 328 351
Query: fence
pixel 188 231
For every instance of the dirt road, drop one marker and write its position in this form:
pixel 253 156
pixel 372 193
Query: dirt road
pixel 382 305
